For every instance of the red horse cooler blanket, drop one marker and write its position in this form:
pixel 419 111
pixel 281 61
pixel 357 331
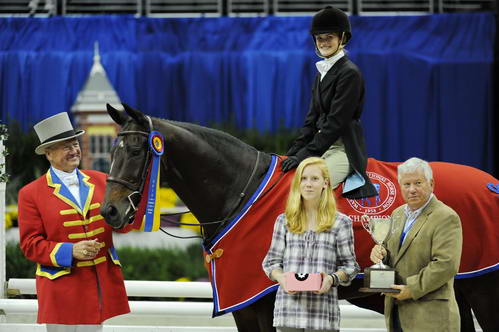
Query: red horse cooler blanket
pixel 235 255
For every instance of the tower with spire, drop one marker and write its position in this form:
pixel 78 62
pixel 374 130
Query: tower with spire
pixel 90 115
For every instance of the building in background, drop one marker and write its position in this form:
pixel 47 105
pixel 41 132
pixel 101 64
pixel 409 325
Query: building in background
pixel 90 114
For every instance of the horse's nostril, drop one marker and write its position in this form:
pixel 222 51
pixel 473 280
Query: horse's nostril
pixel 112 211
pixel 109 211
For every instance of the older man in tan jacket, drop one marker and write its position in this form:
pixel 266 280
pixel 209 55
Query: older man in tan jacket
pixel 425 250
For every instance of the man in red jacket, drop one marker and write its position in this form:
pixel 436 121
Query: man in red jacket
pixel 78 276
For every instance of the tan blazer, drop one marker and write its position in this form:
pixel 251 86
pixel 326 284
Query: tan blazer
pixel 427 263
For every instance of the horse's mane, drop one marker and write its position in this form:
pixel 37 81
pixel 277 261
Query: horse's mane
pixel 215 137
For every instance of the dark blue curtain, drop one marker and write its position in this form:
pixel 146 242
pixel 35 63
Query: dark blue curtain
pixel 428 78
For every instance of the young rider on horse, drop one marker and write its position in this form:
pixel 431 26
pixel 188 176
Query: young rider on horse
pixel 332 127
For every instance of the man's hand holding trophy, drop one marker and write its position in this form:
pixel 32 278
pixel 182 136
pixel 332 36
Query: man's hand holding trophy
pixel 379 277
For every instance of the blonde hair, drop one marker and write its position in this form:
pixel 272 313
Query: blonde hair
pixel 295 211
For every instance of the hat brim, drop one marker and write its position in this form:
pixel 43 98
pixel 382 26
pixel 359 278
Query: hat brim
pixel 40 149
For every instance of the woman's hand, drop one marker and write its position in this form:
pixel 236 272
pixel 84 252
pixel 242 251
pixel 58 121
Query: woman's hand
pixel 289 163
pixel 327 283
pixel 280 277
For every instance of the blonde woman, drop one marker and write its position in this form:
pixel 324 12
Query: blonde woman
pixel 311 237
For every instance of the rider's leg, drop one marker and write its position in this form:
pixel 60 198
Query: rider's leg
pixel 337 163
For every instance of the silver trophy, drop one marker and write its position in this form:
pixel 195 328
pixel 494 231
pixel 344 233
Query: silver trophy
pixel 379 277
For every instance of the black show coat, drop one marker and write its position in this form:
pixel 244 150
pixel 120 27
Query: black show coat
pixel 335 110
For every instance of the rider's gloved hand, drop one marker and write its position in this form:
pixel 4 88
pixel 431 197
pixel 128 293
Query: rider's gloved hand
pixel 290 163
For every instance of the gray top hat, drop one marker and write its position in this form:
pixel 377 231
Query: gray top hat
pixel 54 129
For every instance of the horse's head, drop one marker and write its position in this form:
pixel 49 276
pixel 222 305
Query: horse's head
pixel 130 158
pixel 213 173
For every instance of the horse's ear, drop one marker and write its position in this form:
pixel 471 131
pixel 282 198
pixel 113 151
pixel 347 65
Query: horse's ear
pixel 118 116
pixel 137 115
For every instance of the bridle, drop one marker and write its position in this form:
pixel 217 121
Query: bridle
pixel 138 189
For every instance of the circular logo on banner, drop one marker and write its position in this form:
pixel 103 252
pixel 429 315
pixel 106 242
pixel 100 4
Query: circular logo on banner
pixel 387 192
pixel 157 144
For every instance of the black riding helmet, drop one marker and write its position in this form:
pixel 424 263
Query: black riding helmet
pixel 330 20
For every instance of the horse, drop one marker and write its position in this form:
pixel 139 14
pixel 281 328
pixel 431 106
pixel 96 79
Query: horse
pixel 219 178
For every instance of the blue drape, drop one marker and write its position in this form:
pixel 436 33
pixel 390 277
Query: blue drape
pixel 428 78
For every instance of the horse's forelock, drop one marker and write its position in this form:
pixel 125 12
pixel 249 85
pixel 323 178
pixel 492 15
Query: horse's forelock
pixel 131 124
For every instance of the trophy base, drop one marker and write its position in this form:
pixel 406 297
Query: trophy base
pixel 378 290
pixel 379 280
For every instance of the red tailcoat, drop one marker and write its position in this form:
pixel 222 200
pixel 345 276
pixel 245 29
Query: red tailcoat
pixel 70 291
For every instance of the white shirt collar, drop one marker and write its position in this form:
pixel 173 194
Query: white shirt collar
pixel 414 214
pixel 67 178
pixel 323 66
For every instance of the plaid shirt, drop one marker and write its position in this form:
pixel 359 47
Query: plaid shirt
pixel 311 252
